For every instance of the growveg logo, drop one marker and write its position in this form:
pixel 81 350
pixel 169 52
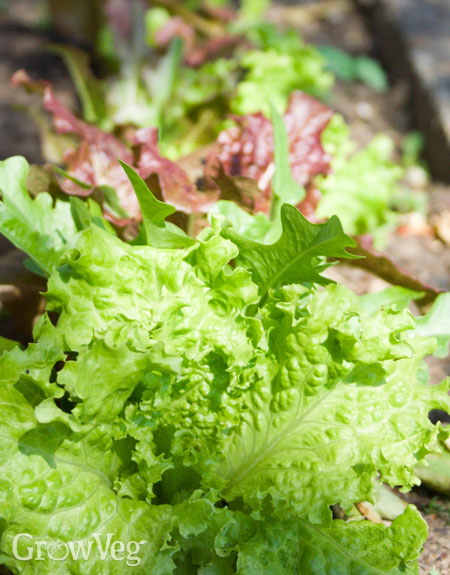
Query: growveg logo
pixel 26 548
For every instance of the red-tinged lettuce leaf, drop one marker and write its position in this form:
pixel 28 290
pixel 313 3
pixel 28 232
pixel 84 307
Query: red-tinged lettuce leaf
pixel 176 28
pixel 214 48
pixel 211 49
pixel 305 120
pixel 99 167
pixel 248 148
pixel 384 267
pixel 239 189
pixel 95 163
pixel 175 186
pixel 310 202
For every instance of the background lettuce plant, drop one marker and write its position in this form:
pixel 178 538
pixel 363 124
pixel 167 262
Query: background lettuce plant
pixel 189 105
pixel 240 71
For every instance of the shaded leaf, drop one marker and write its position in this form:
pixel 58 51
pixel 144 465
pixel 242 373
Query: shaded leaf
pixel 435 472
pixel 239 189
pixel 385 551
pixel 7 344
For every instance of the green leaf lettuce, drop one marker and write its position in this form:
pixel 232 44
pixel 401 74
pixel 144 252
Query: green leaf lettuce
pixel 213 400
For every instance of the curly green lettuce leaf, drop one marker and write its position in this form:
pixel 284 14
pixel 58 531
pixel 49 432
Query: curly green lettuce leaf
pixel 214 543
pixel 41 227
pixel 288 548
pixel 179 307
pixel 294 257
pixel 209 400
pixel 272 76
pixel 255 227
pixel 56 485
pixel 361 188
pixel 281 64
pixel 234 543
pixel 334 399
pixel 363 547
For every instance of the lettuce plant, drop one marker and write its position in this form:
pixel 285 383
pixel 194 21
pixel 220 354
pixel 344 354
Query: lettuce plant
pixel 187 87
pixel 281 64
pixel 360 187
pixel 363 185
pixel 248 170
pixel 212 397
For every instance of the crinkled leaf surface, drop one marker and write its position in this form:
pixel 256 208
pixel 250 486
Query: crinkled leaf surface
pixel 358 547
pixel 248 150
pixel 158 408
pixel 361 187
pixel 363 547
pixel 128 309
pixel 57 485
pixel 337 401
